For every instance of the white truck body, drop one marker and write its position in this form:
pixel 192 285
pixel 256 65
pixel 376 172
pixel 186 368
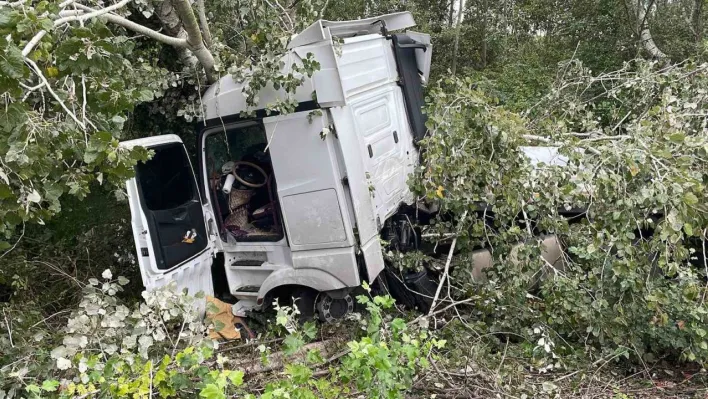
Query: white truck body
pixel 334 171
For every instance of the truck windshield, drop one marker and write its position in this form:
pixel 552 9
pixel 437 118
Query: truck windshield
pixel 236 143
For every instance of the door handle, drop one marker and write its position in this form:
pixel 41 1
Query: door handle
pixel 371 151
pixel 179 215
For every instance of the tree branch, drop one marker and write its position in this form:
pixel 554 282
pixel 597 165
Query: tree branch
pixel 105 12
pixel 38 71
pixel 442 279
pixel 91 14
pixel 12 4
pixel 204 24
pixel 195 41
pixel 457 36
pixel 172 41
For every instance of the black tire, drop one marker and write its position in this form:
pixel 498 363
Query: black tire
pixel 304 298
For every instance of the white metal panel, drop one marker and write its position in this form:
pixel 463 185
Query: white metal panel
pixel 153 141
pixel 366 62
pixel 352 152
pixel 362 200
pixel 373 255
pixel 423 58
pixel 323 30
pixel 339 262
pixel 326 81
pixel 318 218
pixel 194 275
pixel 309 184
pixel 380 121
pixel 226 97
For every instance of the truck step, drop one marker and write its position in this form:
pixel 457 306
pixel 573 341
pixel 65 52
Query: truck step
pixel 248 288
pixel 257 268
pixel 245 295
pixel 247 262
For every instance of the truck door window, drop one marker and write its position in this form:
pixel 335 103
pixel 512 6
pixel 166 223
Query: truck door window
pixel 166 180
pixel 170 201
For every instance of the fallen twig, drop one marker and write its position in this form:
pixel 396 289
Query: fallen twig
pixel 444 276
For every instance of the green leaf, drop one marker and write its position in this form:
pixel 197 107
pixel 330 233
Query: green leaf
pixel 212 391
pixel 310 329
pixel 398 325
pixel 688 229
pixel 236 378
pixel 212 308
pixel 690 199
pixel 292 344
pixel 385 301
pixel 145 95
pixel 300 374
pixel 12 63
pixel 50 385
pixel 365 285
pixel 32 388
pixel 218 325
pixel 677 137
pixel 5 191
pixel 5 18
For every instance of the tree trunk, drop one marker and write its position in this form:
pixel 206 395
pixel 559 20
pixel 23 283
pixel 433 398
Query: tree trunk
pixel 194 38
pixel 485 13
pixel 641 12
pixel 173 27
pixel 451 12
pixel 698 18
pixel 694 18
pixel 204 24
pixel 457 36
pixel 178 20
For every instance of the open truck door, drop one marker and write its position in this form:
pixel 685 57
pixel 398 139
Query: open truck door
pixel 168 218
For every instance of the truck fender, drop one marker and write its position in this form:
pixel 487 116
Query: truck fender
pixel 312 278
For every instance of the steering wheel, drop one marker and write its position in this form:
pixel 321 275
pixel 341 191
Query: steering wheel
pixel 253 167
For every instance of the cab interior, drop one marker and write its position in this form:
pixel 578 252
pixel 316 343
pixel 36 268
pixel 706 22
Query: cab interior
pixel 242 185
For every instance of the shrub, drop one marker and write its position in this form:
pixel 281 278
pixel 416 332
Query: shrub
pixel 637 149
pixel 159 348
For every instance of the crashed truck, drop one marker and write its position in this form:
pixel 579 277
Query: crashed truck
pixel 274 208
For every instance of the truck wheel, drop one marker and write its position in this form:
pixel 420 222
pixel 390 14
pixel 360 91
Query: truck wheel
pixel 331 309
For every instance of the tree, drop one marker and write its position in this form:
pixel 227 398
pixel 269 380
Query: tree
pixel 639 14
pixel 73 74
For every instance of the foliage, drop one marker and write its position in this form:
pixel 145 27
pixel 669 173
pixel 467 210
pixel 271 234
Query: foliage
pixel 633 281
pixel 384 362
pixel 159 348
pixel 256 35
pixel 635 142
pixel 47 151
pixel 67 99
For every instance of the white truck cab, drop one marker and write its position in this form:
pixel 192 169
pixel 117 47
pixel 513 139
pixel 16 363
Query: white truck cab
pixel 289 202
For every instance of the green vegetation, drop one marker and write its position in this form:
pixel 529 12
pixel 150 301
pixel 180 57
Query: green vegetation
pixel 620 87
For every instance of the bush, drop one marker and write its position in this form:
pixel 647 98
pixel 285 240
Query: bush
pixel 637 149
pixel 159 347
